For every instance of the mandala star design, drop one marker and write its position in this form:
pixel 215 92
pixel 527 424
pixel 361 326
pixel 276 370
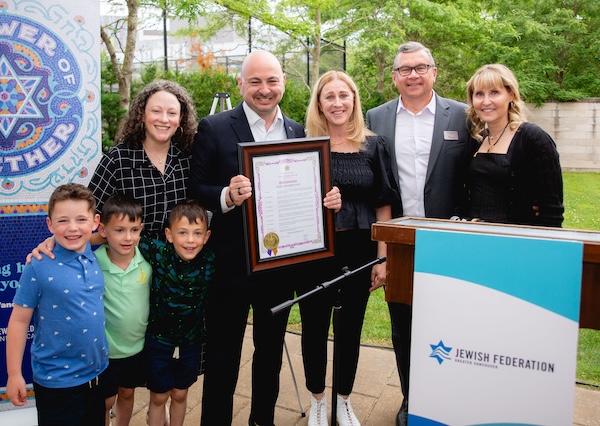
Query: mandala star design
pixel 16 97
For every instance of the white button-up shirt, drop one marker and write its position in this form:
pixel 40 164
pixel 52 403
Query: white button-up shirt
pixel 257 125
pixel 413 144
pixel 260 134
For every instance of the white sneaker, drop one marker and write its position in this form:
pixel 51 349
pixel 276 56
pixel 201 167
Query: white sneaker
pixel 345 414
pixel 318 411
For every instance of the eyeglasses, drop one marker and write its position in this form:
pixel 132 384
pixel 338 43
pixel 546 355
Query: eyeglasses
pixel 419 69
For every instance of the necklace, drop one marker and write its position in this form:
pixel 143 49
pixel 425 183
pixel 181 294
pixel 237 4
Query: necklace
pixel 160 161
pixel 491 138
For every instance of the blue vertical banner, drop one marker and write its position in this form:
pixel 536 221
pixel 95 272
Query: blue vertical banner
pixel 495 328
pixel 50 126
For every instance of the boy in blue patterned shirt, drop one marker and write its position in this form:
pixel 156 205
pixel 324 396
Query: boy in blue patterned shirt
pixel 182 269
pixel 64 295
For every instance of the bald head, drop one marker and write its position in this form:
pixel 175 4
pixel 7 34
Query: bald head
pixel 260 58
pixel 262 83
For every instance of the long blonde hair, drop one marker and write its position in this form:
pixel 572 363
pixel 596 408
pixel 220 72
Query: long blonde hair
pixel 488 77
pixel 316 123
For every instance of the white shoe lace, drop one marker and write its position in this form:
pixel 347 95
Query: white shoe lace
pixel 345 413
pixel 318 412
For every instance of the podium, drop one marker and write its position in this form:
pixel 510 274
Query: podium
pixel 399 234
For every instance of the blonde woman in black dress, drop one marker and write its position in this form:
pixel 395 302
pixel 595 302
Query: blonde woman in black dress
pixel 515 175
pixel 361 170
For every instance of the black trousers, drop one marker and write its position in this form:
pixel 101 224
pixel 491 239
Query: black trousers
pixel 74 406
pixel 228 305
pixel 401 319
pixel 353 248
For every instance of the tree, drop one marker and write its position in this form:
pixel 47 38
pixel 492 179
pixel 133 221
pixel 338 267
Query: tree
pixel 552 46
pixel 110 36
pixel 450 29
pixel 311 25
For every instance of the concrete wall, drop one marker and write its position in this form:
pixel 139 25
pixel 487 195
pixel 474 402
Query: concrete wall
pixel 575 127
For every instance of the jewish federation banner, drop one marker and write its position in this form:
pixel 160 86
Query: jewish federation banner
pixel 49 126
pixel 494 332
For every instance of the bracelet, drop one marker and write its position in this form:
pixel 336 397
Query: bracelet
pixel 231 196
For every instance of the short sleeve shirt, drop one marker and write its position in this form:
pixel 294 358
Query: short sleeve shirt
pixel 126 303
pixel 66 293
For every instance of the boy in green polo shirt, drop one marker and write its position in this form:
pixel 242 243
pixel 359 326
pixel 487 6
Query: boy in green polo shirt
pixel 126 303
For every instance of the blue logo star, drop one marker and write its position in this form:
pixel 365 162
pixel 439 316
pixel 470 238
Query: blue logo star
pixel 440 352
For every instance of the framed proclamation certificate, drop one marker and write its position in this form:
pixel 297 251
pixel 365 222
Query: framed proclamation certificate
pixel 285 220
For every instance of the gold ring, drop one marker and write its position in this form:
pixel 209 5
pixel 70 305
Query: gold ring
pixel 239 192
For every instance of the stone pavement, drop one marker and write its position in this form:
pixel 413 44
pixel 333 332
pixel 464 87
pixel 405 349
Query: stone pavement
pixel 375 399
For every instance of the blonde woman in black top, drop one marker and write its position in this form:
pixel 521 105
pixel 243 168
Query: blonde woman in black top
pixel 515 175
pixel 361 170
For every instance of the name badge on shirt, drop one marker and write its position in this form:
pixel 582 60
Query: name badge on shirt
pixel 450 135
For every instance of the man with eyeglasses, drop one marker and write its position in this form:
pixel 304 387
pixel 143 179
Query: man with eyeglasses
pixel 431 145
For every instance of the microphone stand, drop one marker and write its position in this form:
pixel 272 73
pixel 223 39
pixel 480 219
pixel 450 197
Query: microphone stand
pixel 337 308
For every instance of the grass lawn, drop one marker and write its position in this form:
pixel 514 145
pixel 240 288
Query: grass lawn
pixel 582 207
pixel 582 211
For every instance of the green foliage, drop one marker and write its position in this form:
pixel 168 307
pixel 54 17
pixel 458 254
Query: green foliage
pixel 295 100
pixel 202 87
pixel 111 112
pixel 552 46
pixel 150 73
pixel 555 46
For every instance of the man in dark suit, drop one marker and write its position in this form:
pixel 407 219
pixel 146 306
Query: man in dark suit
pixel 215 181
pixel 431 145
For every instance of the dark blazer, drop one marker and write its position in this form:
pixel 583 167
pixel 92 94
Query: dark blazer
pixel 451 149
pixel 214 163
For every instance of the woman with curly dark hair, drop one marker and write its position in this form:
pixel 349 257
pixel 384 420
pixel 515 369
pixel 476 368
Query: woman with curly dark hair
pixel 151 160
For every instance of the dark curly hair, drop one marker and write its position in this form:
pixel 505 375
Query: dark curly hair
pixel 132 133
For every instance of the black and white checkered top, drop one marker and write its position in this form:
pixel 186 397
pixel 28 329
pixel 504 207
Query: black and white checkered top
pixel 129 171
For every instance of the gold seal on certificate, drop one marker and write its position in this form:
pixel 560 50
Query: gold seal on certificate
pixel 271 242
